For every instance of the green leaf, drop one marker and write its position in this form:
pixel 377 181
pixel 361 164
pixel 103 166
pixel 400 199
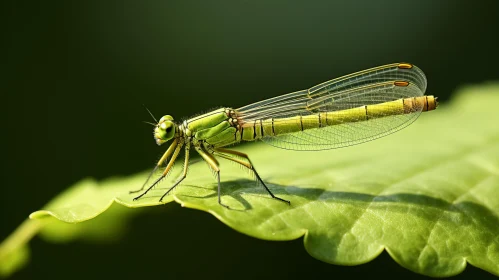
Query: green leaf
pixel 63 222
pixel 429 194
pixel 14 252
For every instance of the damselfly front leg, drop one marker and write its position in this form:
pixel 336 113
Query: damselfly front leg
pixel 160 162
pixel 184 173
pixel 167 168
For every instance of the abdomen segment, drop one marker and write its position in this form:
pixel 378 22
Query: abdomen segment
pixel 279 126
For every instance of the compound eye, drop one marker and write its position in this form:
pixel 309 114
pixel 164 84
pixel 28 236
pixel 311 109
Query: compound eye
pixel 169 130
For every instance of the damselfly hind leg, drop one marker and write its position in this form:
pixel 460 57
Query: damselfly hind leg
pixel 223 153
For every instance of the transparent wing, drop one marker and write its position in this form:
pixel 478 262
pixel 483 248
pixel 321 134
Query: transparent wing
pixel 368 87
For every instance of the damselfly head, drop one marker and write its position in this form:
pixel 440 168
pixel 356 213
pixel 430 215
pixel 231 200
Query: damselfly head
pixel 164 130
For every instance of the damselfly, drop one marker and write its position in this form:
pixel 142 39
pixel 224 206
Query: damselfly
pixel 345 111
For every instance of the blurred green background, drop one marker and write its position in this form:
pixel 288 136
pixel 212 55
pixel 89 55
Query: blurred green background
pixel 75 76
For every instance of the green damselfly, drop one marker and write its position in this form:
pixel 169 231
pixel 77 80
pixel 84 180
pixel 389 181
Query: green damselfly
pixel 345 111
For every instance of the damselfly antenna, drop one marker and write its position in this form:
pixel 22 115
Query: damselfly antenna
pixel 151 115
pixel 153 124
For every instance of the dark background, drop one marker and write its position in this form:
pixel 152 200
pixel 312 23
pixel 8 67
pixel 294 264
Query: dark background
pixel 74 76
